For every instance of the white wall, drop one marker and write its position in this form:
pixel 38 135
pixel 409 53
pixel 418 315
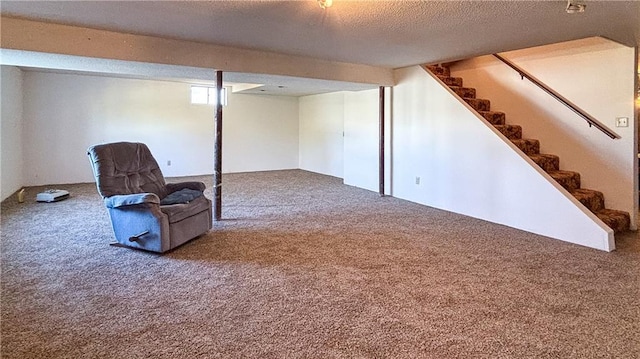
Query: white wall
pixel 467 167
pixel 65 113
pixel 11 175
pixel 361 139
pixel 595 74
pixel 339 136
pixel 321 122
pixel 361 134
pixel 260 133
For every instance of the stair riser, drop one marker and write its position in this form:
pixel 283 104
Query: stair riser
pixel 479 104
pixel 494 118
pixel 547 162
pixel 569 180
pixel 570 183
pixel 617 220
pixel 593 200
pixel 451 81
pixel 528 146
pixel 510 131
pixel 439 70
pixel 464 92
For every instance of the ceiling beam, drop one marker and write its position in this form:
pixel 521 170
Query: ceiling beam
pixel 20 34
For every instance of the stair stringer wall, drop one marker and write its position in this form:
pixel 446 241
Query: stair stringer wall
pixel 595 74
pixel 466 166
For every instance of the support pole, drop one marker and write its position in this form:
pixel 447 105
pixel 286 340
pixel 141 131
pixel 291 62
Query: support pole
pixel 217 152
pixel 381 144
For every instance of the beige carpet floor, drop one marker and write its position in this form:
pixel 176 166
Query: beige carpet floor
pixel 305 267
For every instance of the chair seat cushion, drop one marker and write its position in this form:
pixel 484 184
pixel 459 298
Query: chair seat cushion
pixel 180 211
pixel 184 195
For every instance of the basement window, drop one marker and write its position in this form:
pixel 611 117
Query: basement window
pixel 203 95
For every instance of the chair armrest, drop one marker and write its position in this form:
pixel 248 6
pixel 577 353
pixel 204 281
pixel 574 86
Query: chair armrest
pixel 198 186
pixel 118 201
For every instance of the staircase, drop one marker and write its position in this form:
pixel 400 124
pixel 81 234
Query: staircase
pixel 619 221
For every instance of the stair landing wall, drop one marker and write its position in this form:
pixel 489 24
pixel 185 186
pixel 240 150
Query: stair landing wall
pixel 597 75
pixel 466 167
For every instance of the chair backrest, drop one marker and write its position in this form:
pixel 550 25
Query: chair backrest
pixel 126 168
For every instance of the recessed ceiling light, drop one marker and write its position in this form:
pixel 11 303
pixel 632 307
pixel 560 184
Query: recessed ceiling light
pixel 325 3
pixel 575 6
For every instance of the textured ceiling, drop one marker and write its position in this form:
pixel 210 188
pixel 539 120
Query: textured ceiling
pixel 380 33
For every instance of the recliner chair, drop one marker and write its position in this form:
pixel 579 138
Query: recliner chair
pixel 146 212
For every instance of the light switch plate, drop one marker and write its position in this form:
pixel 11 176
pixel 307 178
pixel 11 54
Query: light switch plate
pixel 622 121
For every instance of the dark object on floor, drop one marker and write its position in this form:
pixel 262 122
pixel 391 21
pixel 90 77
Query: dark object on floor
pixel 132 185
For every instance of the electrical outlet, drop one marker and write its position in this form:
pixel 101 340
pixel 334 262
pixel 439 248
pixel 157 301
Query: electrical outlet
pixel 622 122
pixel 417 180
pixel 168 162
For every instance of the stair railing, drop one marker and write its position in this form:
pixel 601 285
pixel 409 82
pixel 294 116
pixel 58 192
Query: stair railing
pixel 580 112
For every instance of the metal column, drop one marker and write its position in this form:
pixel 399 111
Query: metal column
pixel 381 144
pixel 217 152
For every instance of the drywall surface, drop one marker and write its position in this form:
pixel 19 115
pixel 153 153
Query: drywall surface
pixel 260 133
pixel 339 136
pixel 362 139
pixel 321 122
pixel 64 114
pixel 595 74
pixel 11 175
pixel 466 166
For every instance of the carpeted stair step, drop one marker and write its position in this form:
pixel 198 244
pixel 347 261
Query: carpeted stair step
pixel 439 70
pixel 512 132
pixel 546 161
pixel 494 118
pixel 451 81
pixel 527 145
pixel 478 104
pixel 619 221
pixel 464 92
pixel 593 200
pixel 568 179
